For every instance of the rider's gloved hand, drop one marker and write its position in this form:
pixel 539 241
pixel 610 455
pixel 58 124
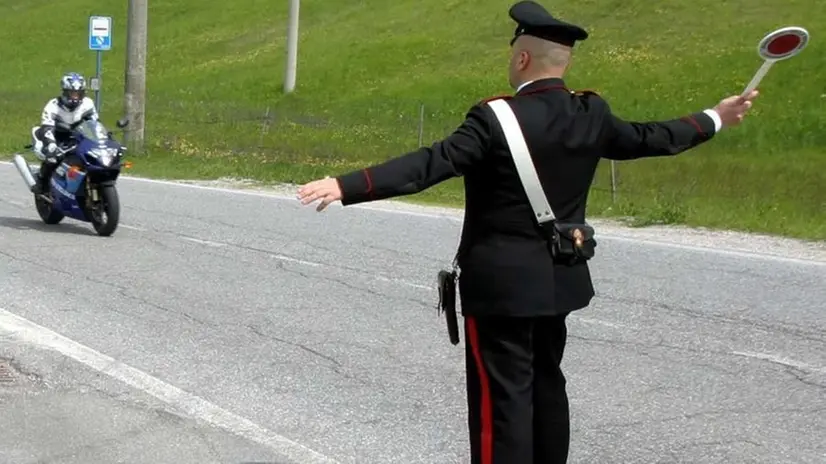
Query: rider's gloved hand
pixel 50 150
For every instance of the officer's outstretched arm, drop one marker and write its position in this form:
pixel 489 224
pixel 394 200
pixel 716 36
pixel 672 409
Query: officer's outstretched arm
pixel 418 170
pixel 626 140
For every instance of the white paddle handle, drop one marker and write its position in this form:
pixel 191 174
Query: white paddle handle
pixel 758 76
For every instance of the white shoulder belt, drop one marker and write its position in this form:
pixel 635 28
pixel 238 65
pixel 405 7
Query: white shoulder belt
pixel 522 159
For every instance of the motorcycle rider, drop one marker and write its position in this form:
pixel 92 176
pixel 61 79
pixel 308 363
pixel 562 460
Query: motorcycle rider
pixel 70 108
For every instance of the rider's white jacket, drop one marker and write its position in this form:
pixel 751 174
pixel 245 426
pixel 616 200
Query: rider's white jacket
pixel 44 134
pixel 53 112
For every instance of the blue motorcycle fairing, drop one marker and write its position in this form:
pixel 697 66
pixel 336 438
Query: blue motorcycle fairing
pixel 69 179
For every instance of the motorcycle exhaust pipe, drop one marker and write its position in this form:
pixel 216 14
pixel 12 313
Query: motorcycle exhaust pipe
pixel 26 173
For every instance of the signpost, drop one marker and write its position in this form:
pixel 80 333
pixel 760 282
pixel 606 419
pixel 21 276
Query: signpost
pixel 781 44
pixel 292 47
pixel 100 40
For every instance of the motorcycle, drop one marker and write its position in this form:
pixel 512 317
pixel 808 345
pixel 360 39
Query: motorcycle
pixel 82 186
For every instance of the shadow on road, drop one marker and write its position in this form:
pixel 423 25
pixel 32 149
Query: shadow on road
pixel 38 225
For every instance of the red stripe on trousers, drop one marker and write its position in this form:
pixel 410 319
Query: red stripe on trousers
pixel 484 384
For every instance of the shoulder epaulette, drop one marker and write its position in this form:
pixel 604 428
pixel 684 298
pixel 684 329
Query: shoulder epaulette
pixel 498 97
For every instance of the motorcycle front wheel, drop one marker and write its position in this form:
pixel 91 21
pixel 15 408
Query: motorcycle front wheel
pixel 106 215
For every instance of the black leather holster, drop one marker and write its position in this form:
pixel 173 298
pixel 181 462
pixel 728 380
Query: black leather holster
pixel 570 243
pixel 447 303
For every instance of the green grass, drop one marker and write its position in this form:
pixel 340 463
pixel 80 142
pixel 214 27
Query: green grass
pixel 215 106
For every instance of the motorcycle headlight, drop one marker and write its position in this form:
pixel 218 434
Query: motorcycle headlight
pixel 105 155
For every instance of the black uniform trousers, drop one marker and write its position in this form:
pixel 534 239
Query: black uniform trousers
pixel 517 403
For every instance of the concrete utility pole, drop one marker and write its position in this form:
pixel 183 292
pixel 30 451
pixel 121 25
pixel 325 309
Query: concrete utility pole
pixel 292 47
pixel 135 92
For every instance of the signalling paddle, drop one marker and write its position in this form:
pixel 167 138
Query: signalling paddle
pixel 779 45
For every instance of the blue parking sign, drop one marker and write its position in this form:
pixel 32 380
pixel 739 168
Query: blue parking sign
pixel 100 33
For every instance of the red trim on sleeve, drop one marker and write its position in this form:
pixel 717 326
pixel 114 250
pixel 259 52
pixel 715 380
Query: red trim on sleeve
pixel 693 122
pixel 369 179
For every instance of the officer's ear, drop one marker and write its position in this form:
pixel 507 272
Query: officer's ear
pixel 523 60
pixel 521 55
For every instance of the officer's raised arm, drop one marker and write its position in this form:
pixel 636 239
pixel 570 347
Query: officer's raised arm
pixel 626 140
pixel 418 170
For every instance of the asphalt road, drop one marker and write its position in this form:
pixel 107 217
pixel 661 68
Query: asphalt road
pixel 218 326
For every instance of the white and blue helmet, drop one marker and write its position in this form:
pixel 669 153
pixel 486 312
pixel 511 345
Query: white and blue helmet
pixel 74 90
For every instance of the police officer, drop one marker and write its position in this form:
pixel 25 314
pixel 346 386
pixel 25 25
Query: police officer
pixel 514 296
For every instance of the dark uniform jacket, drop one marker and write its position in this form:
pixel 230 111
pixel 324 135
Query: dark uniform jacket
pixel 506 267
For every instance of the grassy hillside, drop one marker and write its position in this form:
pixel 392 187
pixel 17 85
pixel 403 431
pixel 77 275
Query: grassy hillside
pixel 367 68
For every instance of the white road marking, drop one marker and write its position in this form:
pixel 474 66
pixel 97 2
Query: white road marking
pixel 15 203
pixel 589 320
pixel 297 261
pixel 278 257
pixel 782 361
pixel 403 282
pixel 139 229
pixel 203 242
pixel 24 331
pixel 719 251
pixel 456 217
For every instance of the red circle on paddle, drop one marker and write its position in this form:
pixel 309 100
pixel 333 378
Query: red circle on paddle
pixel 783 43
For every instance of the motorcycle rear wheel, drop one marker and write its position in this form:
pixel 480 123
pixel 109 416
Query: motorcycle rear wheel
pixel 47 213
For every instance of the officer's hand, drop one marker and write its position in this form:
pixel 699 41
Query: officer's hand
pixel 733 109
pixel 327 190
